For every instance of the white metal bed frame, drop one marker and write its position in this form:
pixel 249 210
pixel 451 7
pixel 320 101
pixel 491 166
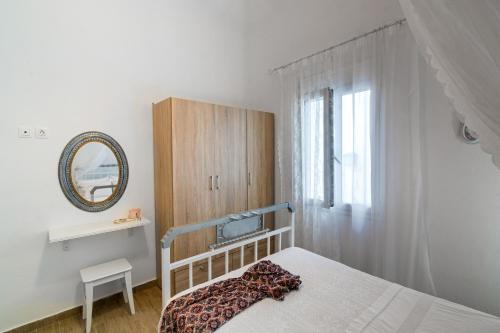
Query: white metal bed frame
pixel 166 241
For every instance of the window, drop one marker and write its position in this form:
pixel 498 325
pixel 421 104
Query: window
pixel 336 146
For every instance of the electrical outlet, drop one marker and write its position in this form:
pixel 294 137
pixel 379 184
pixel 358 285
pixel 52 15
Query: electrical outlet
pixel 24 132
pixel 42 133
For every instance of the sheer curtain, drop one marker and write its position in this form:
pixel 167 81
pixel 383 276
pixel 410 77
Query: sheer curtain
pixel 460 39
pixel 349 155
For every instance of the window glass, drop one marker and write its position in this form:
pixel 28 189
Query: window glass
pixel 356 153
pixel 351 165
pixel 313 136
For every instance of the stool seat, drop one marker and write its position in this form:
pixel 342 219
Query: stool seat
pixel 93 276
pixel 106 269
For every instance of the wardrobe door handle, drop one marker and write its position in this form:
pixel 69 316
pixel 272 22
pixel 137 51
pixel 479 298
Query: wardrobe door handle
pixel 249 179
pixel 211 183
pixel 217 182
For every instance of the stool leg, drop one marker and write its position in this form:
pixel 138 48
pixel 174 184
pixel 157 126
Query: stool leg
pixel 128 284
pixel 84 306
pixel 89 297
pixel 124 290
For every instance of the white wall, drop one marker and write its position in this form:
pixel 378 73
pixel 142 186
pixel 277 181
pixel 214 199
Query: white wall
pixel 98 65
pixel 463 186
pixel 463 200
pixel 75 66
pixel 281 31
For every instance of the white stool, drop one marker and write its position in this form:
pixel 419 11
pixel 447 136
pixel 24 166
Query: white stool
pixel 102 273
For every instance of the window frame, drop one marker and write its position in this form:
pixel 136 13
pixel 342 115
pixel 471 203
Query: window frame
pixel 332 113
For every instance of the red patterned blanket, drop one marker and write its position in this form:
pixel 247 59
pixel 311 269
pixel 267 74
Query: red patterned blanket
pixel 208 308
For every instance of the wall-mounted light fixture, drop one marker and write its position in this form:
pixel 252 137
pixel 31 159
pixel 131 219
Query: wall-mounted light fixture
pixel 468 135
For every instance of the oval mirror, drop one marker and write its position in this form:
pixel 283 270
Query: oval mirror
pixel 93 171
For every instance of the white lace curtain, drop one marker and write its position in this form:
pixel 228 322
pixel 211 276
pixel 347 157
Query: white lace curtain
pixel 460 39
pixel 349 136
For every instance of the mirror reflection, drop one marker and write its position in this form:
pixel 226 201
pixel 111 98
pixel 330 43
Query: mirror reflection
pixel 95 172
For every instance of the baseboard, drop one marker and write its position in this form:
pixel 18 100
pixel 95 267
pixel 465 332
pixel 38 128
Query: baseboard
pixel 31 326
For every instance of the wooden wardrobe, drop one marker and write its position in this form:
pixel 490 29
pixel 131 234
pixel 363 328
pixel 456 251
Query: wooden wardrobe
pixel 210 160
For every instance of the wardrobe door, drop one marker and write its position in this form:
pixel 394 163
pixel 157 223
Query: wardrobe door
pixel 230 160
pixel 193 149
pixel 260 157
pixel 162 136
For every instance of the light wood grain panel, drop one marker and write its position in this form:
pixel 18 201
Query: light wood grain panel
pixel 194 141
pixel 200 272
pixel 260 159
pixel 162 140
pixel 193 146
pixel 230 160
pixel 249 254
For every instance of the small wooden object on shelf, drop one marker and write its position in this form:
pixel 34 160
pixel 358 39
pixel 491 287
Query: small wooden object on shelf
pixel 125 220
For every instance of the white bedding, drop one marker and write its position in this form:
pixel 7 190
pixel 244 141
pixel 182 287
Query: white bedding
pixel 336 298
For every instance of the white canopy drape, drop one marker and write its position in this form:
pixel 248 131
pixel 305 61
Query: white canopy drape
pixel 460 39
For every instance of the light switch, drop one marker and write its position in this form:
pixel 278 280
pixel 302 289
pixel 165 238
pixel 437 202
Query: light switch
pixel 25 132
pixel 42 133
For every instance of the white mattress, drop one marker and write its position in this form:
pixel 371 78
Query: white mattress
pixel 336 298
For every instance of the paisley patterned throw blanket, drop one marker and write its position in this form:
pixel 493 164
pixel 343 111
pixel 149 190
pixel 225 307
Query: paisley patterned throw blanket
pixel 208 308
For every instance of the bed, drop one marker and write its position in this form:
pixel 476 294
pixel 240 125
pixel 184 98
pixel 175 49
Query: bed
pixel 333 297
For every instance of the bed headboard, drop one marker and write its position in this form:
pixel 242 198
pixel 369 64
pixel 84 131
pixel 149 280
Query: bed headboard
pixel 166 242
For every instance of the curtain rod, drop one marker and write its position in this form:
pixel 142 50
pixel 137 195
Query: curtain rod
pixel 274 70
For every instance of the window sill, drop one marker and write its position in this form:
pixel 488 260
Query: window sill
pixel 348 210
pixel 341 209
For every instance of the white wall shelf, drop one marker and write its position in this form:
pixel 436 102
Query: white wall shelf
pixel 64 234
